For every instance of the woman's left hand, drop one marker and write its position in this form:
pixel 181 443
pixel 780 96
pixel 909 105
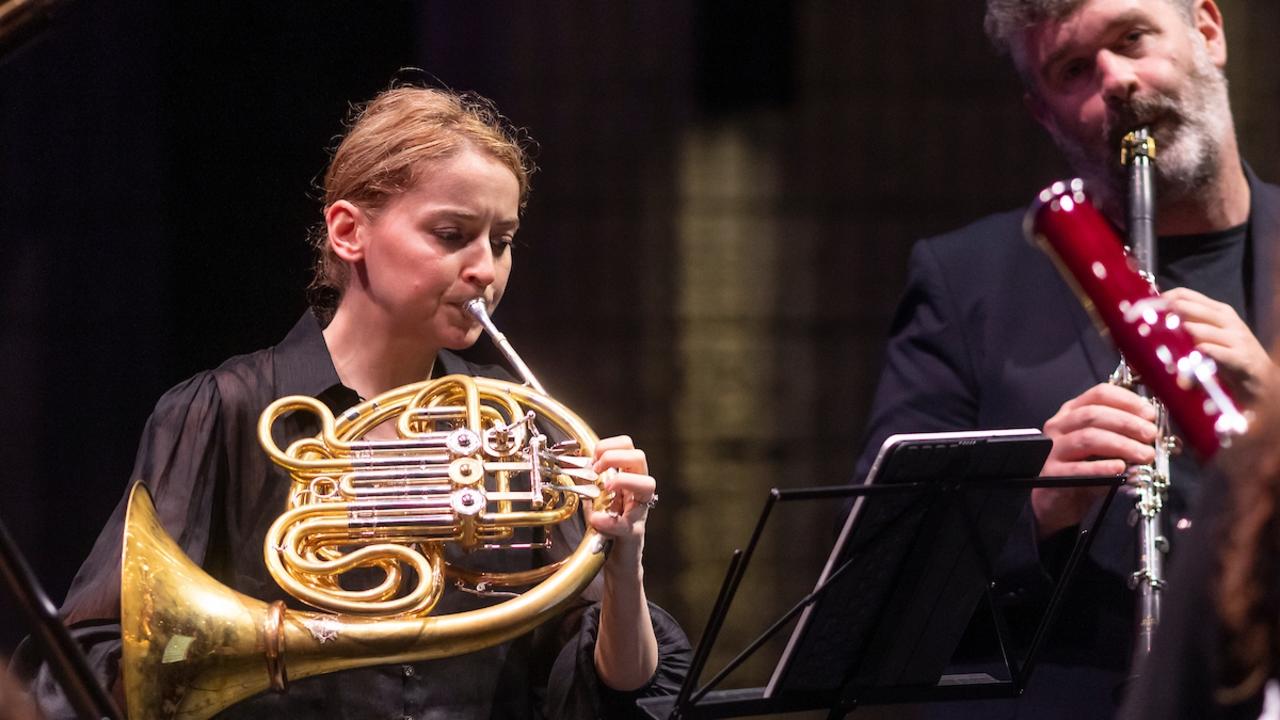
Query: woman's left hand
pixel 626 654
pixel 633 491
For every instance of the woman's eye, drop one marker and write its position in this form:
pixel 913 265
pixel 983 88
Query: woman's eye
pixel 500 243
pixel 450 237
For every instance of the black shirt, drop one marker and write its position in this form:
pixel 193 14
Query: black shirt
pixel 217 492
pixel 1218 265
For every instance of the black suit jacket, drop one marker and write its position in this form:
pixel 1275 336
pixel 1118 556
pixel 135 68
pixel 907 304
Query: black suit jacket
pixel 989 335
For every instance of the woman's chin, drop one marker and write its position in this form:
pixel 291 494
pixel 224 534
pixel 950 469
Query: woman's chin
pixel 461 340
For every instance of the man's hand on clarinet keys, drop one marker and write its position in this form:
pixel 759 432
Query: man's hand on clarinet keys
pixel 1099 432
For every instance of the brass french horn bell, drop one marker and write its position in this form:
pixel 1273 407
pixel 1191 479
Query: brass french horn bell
pixel 470 464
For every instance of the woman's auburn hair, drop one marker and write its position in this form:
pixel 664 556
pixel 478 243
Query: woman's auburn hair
pixel 1247 584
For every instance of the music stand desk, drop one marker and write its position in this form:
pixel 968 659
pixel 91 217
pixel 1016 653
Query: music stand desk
pixel 841 697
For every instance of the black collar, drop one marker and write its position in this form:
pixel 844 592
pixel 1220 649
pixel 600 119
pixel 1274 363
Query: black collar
pixel 303 365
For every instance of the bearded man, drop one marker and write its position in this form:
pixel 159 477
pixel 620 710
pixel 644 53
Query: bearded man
pixel 1003 342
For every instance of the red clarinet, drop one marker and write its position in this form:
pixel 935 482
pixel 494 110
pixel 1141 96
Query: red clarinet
pixel 1126 305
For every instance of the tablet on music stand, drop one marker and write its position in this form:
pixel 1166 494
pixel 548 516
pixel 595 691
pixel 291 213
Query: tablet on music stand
pixel 913 560
pixel 913 578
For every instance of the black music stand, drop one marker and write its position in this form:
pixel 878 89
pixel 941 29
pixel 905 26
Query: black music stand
pixel 84 693
pixel 901 586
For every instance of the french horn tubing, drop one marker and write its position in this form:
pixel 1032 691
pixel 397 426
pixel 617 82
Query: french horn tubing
pixel 470 464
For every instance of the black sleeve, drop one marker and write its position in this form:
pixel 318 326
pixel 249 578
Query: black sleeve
pixel 928 382
pixel 181 457
pixel 931 382
pixel 574 692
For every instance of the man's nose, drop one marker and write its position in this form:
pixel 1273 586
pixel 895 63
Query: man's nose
pixel 1119 81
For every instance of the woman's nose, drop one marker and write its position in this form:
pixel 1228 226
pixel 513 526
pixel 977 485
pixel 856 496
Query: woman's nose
pixel 480 267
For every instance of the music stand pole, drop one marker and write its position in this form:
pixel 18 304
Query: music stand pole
pixel 68 663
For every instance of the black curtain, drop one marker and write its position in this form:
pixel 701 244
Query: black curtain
pixel 155 192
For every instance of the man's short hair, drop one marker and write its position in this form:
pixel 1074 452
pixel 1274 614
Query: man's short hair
pixel 1006 18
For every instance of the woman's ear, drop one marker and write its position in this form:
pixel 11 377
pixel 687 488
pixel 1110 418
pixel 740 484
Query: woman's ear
pixel 342 220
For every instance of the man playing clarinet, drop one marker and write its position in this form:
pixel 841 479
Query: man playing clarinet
pixel 989 335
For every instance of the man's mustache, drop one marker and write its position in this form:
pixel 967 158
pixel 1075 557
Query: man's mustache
pixel 1137 112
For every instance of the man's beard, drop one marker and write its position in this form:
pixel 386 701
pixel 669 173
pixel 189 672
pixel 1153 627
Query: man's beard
pixel 1188 130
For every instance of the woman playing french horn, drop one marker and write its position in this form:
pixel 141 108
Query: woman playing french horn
pixel 422 202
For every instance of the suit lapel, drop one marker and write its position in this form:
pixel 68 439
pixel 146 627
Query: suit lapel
pixel 1101 353
pixel 1264 230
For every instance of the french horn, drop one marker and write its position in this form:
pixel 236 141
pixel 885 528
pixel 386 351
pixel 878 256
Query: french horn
pixel 470 464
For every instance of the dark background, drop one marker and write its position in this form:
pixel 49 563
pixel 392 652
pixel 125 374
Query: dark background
pixel 713 248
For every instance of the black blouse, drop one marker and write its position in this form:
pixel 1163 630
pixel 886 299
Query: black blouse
pixel 217 492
